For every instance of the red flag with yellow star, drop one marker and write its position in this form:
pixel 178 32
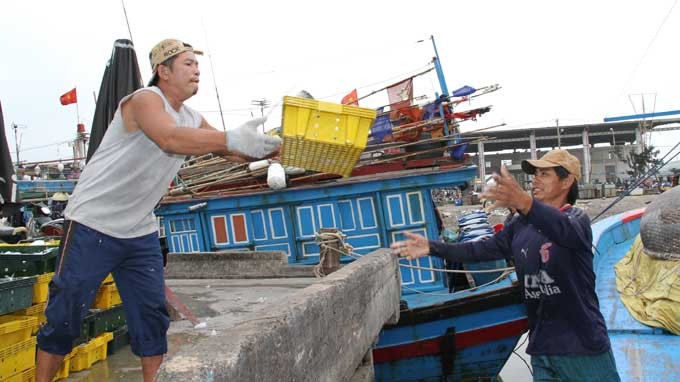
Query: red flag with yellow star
pixel 69 97
pixel 350 99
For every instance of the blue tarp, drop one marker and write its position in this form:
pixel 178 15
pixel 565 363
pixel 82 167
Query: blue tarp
pixel 464 91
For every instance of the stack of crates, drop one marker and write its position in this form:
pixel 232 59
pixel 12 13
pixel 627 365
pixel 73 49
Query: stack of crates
pixel 25 272
pixel 17 347
pixel 22 310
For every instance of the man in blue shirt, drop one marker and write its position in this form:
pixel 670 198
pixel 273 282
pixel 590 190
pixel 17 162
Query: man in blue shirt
pixel 550 243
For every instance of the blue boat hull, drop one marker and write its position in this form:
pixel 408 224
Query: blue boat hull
pixel 462 338
pixel 642 353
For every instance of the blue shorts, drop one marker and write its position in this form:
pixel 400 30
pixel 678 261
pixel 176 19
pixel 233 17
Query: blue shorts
pixel 86 258
pixel 575 368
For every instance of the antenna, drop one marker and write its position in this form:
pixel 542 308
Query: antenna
pixel 212 70
pixel 126 20
pixel 262 103
pixel 16 139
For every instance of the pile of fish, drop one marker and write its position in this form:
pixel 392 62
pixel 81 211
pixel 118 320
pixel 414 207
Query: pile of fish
pixel 474 226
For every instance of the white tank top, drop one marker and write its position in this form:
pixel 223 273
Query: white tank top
pixel 126 177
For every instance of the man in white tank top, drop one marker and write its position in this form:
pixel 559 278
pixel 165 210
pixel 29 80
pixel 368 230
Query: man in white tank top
pixel 110 223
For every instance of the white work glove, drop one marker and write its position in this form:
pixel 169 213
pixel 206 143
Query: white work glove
pixel 248 141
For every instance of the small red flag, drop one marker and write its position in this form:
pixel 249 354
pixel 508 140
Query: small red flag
pixel 69 97
pixel 350 99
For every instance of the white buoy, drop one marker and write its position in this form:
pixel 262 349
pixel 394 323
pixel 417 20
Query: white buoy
pixel 291 170
pixel 276 176
pixel 258 164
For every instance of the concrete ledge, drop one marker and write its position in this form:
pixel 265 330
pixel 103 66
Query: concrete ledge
pixel 319 334
pixel 232 265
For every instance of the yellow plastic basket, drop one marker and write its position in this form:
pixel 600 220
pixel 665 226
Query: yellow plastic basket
pixel 41 288
pixel 107 297
pixel 65 368
pixel 17 358
pixel 14 329
pixel 323 136
pixel 23 376
pixel 91 352
pixel 37 311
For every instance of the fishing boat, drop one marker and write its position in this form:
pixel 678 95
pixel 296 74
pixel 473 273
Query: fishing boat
pixel 643 352
pixel 450 328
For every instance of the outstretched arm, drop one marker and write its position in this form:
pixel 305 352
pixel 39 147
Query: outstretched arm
pixel 494 248
pixel 145 111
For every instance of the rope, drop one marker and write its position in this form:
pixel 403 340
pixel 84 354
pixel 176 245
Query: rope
pixel 332 237
pixel 506 269
pixel 472 289
pixel 324 239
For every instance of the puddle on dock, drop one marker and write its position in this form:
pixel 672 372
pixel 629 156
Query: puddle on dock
pixel 123 366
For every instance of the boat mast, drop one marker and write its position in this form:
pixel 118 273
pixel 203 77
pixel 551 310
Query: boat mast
pixel 442 84
pixel 438 68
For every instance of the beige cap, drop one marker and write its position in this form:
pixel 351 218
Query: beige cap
pixel 164 50
pixel 554 158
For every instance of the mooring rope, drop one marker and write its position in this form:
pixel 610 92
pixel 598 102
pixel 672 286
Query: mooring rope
pixel 334 237
pixel 355 255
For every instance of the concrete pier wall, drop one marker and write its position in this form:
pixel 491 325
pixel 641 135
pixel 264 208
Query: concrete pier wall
pixel 320 334
pixel 233 265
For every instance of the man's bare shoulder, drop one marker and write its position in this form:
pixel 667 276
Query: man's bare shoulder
pixel 145 97
pixel 137 109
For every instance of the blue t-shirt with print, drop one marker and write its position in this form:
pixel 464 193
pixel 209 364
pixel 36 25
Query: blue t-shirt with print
pixel 552 251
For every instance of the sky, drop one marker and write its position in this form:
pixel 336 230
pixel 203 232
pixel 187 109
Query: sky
pixel 577 61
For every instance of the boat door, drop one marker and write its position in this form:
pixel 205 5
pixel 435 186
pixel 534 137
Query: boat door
pixel 271 230
pixel 182 233
pixel 355 217
pixel 309 218
pixel 405 211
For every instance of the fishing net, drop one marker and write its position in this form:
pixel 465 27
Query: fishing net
pixel 648 277
pixel 660 226
pixel 649 287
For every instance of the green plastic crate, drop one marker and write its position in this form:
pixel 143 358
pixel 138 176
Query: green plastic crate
pixel 107 320
pixel 16 294
pixel 27 248
pixel 85 330
pixel 34 260
pixel 120 340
